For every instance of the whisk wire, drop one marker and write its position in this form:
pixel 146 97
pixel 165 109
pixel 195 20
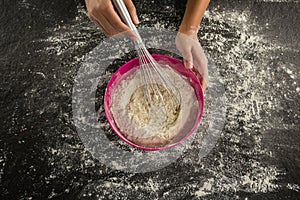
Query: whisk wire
pixel 157 83
pixel 153 82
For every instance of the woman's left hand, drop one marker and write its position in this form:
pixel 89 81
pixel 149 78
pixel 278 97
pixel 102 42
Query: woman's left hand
pixel 193 56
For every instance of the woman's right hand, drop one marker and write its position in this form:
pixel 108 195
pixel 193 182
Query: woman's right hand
pixel 103 14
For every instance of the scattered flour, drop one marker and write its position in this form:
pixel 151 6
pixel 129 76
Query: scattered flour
pixel 245 82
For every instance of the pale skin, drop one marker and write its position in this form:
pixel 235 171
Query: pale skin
pixel 103 14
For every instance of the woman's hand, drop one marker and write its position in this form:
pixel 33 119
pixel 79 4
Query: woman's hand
pixel 103 14
pixel 187 40
pixel 193 56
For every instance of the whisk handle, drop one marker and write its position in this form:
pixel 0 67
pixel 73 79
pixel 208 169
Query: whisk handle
pixel 123 12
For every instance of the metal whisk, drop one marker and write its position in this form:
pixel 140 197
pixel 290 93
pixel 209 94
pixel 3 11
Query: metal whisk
pixel 157 85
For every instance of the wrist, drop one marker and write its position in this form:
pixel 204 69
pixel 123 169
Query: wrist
pixel 189 30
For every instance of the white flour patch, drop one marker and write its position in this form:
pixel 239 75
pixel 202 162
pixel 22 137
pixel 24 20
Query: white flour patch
pixel 245 80
pixel 72 37
pixel 294 187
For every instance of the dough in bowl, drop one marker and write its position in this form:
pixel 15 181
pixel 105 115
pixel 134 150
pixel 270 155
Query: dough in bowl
pixel 143 117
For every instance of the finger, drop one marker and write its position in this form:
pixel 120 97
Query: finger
pixel 105 24
pixel 188 59
pixel 200 61
pixel 185 48
pixel 98 24
pixel 132 11
pixel 113 18
pixel 203 80
pixel 202 76
pixel 204 84
pixel 121 29
pixel 103 13
pixel 118 27
pixel 187 64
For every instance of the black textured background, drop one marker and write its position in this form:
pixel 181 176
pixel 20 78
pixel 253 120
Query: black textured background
pixel 41 156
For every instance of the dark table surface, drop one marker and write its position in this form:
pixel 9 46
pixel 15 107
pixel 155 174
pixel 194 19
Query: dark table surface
pixel 255 47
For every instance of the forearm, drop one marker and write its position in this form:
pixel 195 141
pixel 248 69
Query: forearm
pixel 193 16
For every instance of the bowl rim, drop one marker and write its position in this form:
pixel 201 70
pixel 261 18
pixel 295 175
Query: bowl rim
pixel 127 67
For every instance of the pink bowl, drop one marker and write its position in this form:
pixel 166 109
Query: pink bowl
pixel 123 72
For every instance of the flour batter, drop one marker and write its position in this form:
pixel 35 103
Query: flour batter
pixel 157 123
